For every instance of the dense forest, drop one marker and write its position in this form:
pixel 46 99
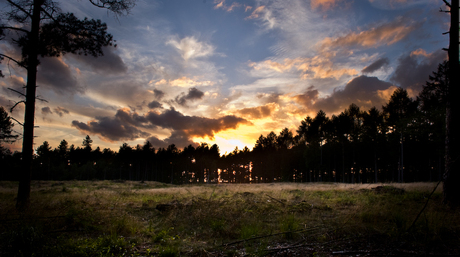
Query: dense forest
pixel 402 141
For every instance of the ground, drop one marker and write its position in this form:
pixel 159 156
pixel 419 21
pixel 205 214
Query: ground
pixel 123 218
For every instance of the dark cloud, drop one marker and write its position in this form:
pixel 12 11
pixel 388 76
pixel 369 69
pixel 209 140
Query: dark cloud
pixel 6 103
pixel 122 90
pixel 60 111
pixel 193 125
pixel 413 69
pixel 46 111
pixel 308 98
pixel 158 94
pixel 154 105
pixel 53 73
pixel 111 129
pixel 156 142
pixel 110 62
pixel 124 126
pixel 125 116
pixel 16 83
pixel 366 92
pixel 178 138
pixel 259 112
pixel 269 97
pixel 380 63
pixel 193 94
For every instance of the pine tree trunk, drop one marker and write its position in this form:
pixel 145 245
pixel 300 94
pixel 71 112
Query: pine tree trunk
pixel 451 178
pixel 23 198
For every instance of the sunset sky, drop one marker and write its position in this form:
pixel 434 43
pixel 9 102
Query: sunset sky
pixel 225 72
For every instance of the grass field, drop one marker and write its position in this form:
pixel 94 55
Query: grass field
pixel 122 218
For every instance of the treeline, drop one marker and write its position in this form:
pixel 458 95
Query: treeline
pixel 402 142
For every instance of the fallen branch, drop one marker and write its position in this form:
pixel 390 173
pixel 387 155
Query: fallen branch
pixel 426 204
pixel 264 236
pixel 276 199
pixel 31 218
pixel 287 248
pixel 356 252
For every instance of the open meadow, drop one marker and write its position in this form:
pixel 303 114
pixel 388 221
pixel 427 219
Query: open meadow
pixel 123 218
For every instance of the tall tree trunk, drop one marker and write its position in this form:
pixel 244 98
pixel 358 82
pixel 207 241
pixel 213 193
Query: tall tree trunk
pixel 451 178
pixel 376 180
pixel 23 199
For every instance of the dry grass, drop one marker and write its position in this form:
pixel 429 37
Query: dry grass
pixel 115 218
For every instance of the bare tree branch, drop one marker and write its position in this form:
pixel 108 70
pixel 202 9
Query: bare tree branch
pixel 12 108
pixel 49 15
pixel 41 99
pixel 17 92
pixel 119 7
pixel 22 124
pixel 14 60
pixel 441 10
pixel 14 28
pixel 20 8
pixel 447 3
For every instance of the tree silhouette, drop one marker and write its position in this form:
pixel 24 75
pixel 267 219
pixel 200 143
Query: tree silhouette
pixel 399 112
pixel 125 161
pixel 355 116
pixel 374 130
pixel 44 154
pixel 432 105
pixel 87 142
pixel 342 125
pixel 6 128
pixel 44 31
pixel 324 149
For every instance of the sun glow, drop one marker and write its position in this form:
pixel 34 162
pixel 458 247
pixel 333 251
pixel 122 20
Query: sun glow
pixel 229 139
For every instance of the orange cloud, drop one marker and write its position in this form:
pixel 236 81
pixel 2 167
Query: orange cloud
pixel 234 5
pixel 255 14
pixel 316 67
pixel 386 94
pixel 185 82
pixel 324 4
pixel 386 34
pixel 221 4
pixel 420 51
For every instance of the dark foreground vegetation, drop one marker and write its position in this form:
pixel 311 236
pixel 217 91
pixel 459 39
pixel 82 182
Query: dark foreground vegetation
pixel 405 142
pixel 122 218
